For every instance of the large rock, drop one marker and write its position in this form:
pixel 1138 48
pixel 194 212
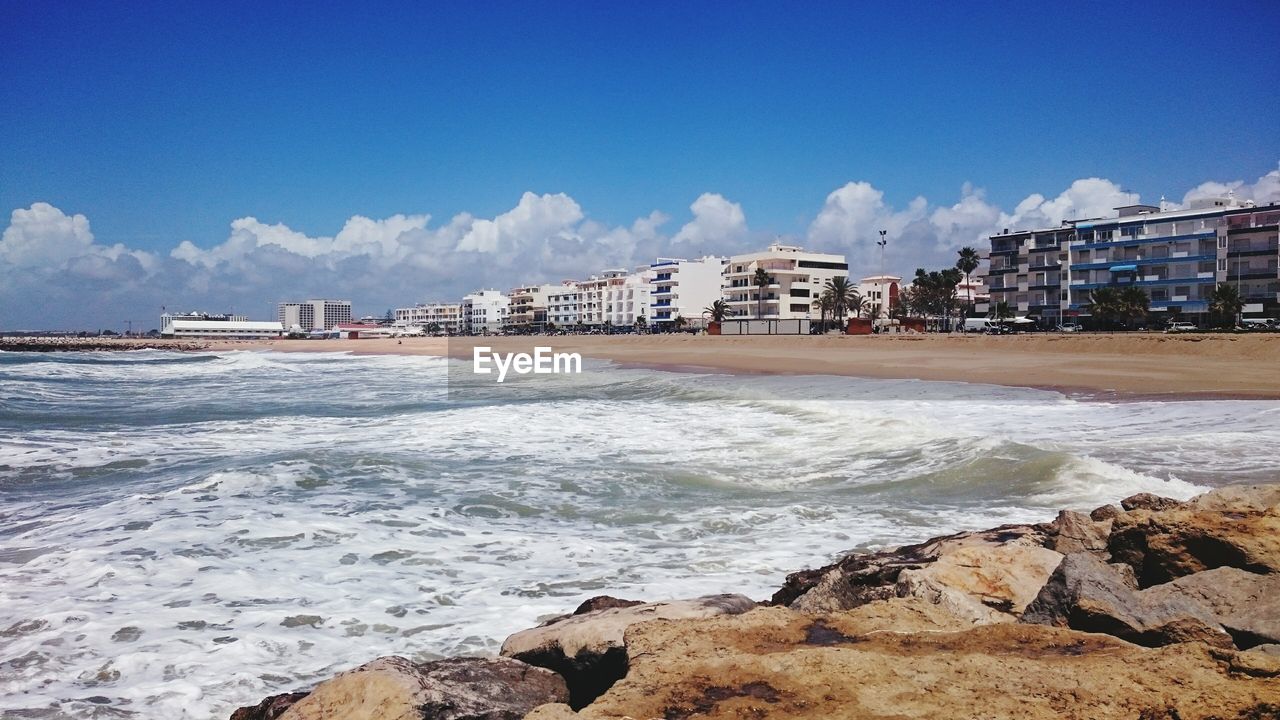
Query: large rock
pixel 1086 594
pixel 1245 604
pixel 1149 501
pixel 394 688
pixel 1169 544
pixel 270 708
pixel 587 649
pixel 1073 532
pixel 980 577
pixel 1240 498
pixel 778 663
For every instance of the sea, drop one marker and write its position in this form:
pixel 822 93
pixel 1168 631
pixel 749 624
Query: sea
pixel 185 533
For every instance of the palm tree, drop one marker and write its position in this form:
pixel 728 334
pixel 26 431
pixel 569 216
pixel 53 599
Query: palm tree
pixel 1134 304
pixel 679 323
pixel 1225 305
pixel 1104 304
pixel 968 262
pixel 1003 312
pixel 826 307
pixel 762 280
pixel 642 323
pixel 718 310
pixel 859 304
pixel 841 295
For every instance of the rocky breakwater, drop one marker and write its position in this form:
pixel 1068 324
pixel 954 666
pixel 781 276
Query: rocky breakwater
pixel 1152 610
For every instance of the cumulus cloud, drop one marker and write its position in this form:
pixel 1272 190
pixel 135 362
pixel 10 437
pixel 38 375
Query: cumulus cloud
pixel 53 271
pixel 716 222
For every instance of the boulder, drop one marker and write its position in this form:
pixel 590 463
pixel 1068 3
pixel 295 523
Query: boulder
pixel 1240 498
pixel 1169 544
pixel 1148 501
pixel 270 708
pixel 772 663
pixel 1245 604
pixel 587 649
pixel 1106 512
pixel 861 578
pixel 552 711
pixel 1086 594
pixel 982 583
pixel 394 688
pixel 1073 532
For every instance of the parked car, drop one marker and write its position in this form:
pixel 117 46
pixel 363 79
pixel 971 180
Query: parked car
pixel 1179 327
pixel 1069 327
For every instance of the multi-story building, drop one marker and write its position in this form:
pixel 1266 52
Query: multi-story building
pixel 564 305
pixel 167 319
pixel 484 312
pixel 314 314
pixel 796 279
pixel 528 311
pixel 592 294
pixel 437 317
pixel 1176 257
pixel 626 298
pixel 683 289
pixel 882 291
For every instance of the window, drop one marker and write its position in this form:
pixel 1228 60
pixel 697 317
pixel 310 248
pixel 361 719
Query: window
pixel 1222 241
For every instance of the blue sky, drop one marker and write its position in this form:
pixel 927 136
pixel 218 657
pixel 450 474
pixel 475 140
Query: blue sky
pixel 164 123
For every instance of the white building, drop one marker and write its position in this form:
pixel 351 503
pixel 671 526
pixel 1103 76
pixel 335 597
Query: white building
pixel 684 288
pixel 882 291
pixel 223 329
pixel 166 319
pixel 796 279
pixel 484 312
pixel 626 298
pixel 592 294
pixel 564 305
pixel 314 314
pixel 446 317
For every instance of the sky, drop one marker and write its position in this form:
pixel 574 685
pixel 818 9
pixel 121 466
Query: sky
pixel 226 156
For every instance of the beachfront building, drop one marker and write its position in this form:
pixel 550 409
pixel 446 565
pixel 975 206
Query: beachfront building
pixel 626 298
pixel 683 289
pixel 484 312
pixel 432 317
pixel 314 314
pixel 167 319
pixel 564 305
pixel 1175 256
pixel 882 291
pixel 591 297
pixel 224 329
pixel 528 311
pixel 796 279
pixel 1026 270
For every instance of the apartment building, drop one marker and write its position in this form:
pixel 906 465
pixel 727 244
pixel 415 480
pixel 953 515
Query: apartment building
pixel 445 317
pixel 528 310
pixel 564 305
pixel 484 312
pixel 314 314
pixel 882 291
pixel 683 289
pixel 1176 257
pixel 796 279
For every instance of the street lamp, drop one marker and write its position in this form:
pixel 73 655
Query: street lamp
pixel 882 242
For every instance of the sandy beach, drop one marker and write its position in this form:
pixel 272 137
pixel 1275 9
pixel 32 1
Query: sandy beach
pixel 1175 366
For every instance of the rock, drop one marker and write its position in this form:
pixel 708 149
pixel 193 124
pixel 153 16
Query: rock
pixel 1148 501
pixel 587 649
pixel 394 688
pixel 771 663
pixel 1086 594
pixel 860 578
pixel 1073 532
pixel 270 708
pixel 1268 649
pixel 552 711
pixel 1106 512
pixel 1245 604
pixel 604 602
pixel 1240 498
pixel 1169 544
pixel 982 583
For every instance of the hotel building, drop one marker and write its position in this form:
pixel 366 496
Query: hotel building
pixel 314 314
pixel 796 279
pixel 564 305
pixel 528 311
pixel 684 288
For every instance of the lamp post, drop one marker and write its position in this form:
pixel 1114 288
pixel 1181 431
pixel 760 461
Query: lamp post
pixel 884 293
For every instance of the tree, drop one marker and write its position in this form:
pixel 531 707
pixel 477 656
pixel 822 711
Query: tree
pixel 762 280
pixel 1224 305
pixel 1134 304
pixel 842 293
pixel 718 310
pixel 1105 305
pixel 967 263
pixel 1003 312
pixel 825 303
pixel 642 323
pixel 432 328
pixel 934 293
pixel 679 323
pixel 859 304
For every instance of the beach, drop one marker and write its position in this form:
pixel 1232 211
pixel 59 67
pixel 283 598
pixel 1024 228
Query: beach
pixel 1198 366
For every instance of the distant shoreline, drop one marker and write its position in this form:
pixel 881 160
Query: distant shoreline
pixel 1099 367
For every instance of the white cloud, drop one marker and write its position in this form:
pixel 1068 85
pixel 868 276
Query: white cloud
pixel 1265 190
pixel 716 221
